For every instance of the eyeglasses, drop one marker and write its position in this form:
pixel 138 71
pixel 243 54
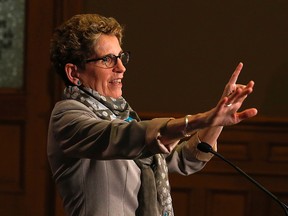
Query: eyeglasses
pixel 111 60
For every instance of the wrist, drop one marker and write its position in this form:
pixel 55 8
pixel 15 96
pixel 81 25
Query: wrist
pixel 185 129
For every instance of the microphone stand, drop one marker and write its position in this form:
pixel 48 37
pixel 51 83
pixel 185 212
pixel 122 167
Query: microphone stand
pixel 204 147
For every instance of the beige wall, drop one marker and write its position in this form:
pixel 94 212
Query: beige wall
pixel 184 52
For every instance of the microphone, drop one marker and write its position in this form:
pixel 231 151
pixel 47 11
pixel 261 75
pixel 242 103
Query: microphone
pixel 204 147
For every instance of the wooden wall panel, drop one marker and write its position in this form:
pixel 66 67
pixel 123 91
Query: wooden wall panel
pixel 11 148
pixel 25 179
pixel 182 199
pixel 260 149
pixel 278 151
pixel 221 202
pixel 11 205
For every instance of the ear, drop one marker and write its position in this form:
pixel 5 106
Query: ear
pixel 72 73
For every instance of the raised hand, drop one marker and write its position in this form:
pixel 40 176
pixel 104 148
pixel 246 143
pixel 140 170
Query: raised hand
pixel 226 112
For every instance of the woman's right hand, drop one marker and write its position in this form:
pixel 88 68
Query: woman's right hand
pixel 226 112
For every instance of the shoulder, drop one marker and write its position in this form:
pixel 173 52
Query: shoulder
pixel 70 105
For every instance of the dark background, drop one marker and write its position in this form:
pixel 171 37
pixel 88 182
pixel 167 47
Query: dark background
pixel 183 52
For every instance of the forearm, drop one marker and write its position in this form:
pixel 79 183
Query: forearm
pixel 186 158
pixel 179 128
pixel 210 135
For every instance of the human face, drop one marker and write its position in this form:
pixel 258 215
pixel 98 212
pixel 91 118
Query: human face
pixel 106 81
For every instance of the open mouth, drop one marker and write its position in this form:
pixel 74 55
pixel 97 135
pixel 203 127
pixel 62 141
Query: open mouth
pixel 116 81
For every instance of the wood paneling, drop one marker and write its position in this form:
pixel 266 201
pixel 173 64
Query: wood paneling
pixel 11 172
pixel 23 120
pixel 260 149
pixel 218 200
pixel 26 187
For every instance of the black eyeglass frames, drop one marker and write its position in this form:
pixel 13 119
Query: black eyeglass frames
pixel 111 60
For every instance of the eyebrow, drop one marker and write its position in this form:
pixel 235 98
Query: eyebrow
pixel 100 58
pixel 109 54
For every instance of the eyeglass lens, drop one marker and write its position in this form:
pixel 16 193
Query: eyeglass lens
pixel 124 57
pixel 111 60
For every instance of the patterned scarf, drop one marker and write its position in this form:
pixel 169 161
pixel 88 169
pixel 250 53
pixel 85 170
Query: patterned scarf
pixel 154 194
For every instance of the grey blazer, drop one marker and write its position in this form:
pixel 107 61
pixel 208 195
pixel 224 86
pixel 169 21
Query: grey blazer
pixel 92 159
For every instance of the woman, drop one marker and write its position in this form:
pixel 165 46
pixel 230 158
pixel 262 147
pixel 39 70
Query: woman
pixel 104 159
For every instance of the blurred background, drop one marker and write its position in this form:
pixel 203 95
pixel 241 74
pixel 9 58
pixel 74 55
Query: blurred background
pixel 183 53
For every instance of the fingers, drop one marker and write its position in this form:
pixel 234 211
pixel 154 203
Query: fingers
pixel 231 86
pixel 235 74
pixel 238 96
pixel 232 99
pixel 226 112
pixel 242 87
pixel 248 113
pixel 250 84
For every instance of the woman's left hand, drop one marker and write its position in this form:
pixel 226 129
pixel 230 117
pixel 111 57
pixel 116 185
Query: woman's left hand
pixel 226 112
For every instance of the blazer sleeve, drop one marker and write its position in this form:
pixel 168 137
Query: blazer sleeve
pixel 79 133
pixel 186 159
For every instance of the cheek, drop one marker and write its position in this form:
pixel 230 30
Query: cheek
pixel 101 82
pixel 96 77
pixel 101 79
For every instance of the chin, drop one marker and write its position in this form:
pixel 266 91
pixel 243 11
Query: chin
pixel 117 95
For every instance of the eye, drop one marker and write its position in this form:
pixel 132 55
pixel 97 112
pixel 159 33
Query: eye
pixel 109 60
pixel 106 59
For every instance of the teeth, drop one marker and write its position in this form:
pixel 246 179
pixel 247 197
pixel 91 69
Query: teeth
pixel 116 81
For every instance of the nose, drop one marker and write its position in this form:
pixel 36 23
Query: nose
pixel 119 67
